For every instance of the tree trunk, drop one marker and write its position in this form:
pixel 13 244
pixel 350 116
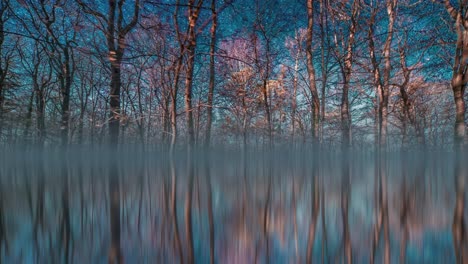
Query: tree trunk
pixel 66 83
pixel 325 59
pixel 294 99
pixel 346 71
pixel 40 113
pixel 114 100
pixel 311 72
pixel 404 96
pixel 377 78
pixel 174 93
pixel 391 6
pixel 267 109
pixel 212 72
pixel 26 134
pixel 194 10
pixel 459 81
pixel 188 95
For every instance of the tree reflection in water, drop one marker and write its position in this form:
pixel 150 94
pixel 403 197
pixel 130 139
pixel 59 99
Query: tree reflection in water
pixel 229 206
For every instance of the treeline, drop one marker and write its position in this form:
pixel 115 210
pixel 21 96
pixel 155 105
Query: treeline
pixel 358 72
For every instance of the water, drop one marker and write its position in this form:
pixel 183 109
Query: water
pixel 56 204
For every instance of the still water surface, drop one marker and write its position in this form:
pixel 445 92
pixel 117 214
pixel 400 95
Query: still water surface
pixel 89 206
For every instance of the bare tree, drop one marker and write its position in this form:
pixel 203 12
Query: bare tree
pixel 460 76
pixel 194 8
pixel 459 81
pixel 212 71
pixel 325 59
pixel 115 31
pixel 347 71
pixel 382 81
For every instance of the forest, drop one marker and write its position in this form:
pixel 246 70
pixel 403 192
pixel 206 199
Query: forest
pixel 237 72
pixel 233 131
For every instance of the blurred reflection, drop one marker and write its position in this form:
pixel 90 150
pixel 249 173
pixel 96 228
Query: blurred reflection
pixel 229 206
